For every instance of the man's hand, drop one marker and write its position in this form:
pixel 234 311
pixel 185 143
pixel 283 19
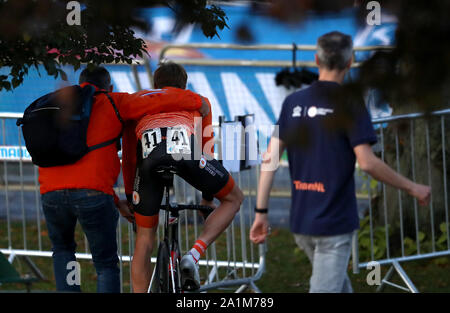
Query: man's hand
pixel 204 110
pixel 260 228
pixel 124 208
pixel 422 193
pixel 375 167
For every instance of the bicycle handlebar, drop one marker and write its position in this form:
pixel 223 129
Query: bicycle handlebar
pixel 205 210
pixel 180 207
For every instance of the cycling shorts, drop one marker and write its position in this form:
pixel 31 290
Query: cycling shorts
pixel 173 146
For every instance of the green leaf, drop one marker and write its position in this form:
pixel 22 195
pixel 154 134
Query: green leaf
pixel 441 239
pixel 373 184
pixel 443 227
pixel 421 236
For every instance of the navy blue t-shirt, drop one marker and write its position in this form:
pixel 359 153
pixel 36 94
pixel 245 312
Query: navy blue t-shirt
pixel 320 137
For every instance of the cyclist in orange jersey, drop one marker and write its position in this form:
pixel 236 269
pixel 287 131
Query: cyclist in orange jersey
pixel 184 140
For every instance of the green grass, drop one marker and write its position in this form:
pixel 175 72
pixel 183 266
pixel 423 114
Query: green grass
pixel 287 270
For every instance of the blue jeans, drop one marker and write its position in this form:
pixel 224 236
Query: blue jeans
pixel 98 217
pixel 329 256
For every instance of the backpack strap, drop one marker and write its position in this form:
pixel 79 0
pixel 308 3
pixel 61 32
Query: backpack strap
pixel 115 108
pixel 103 144
pixel 116 139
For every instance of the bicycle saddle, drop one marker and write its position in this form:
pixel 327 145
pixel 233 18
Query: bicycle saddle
pixel 166 172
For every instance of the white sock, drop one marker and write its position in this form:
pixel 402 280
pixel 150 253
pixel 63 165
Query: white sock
pixel 197 251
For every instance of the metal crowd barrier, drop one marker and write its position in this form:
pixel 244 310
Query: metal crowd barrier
pixel 243 263
pixel 237 262
pixel 406 138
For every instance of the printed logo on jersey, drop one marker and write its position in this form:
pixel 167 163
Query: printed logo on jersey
pixel 316 186
pixel 136 198
pixel 202 162
pixel 136 180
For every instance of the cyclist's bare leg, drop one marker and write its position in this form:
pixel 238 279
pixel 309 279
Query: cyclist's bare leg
pixel 220 218
pixel 215 224
pixel 140 265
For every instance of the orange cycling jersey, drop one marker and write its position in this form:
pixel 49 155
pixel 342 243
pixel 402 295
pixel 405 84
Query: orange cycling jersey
pixel 191 120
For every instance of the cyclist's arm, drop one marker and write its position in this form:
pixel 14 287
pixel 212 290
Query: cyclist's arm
pixel 129 144
pixel 169 99
pixel 208 132
pixel 207 139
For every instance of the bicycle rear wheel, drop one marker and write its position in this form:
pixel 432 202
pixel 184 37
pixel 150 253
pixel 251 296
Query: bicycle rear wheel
pixel 176 258
pixel 160 282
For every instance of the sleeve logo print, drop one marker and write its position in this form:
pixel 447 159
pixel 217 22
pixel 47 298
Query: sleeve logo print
pixel 314 111
pixel 311 112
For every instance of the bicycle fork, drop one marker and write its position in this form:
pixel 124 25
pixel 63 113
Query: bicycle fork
pixel 170 238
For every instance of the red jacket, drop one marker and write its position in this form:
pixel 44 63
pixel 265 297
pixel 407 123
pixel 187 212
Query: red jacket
pixel 99 169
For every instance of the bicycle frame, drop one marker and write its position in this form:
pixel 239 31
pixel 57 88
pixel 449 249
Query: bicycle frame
pixel 170 237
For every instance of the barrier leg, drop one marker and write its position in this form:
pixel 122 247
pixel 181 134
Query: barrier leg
pixel 385 280
pixel 410 287
pixel 405 277
pixel 255 288
pixel 212 274
pixel 250 286
pixel 242 288
pixel 33 267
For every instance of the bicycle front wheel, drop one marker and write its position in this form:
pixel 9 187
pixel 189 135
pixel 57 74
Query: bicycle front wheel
pixel 161 276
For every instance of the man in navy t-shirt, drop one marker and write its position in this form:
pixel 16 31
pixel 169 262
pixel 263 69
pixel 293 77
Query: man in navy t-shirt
pixel 323 186
pixel 324 139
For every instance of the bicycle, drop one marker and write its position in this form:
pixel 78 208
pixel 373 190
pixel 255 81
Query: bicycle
pixel 166 276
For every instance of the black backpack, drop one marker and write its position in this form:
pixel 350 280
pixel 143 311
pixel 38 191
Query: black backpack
pixel 55 126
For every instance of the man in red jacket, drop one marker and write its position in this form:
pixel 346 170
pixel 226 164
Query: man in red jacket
pixel 83 191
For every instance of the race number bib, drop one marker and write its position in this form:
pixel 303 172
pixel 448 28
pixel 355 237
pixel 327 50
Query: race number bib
pixel 178 141
pixel 150 139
